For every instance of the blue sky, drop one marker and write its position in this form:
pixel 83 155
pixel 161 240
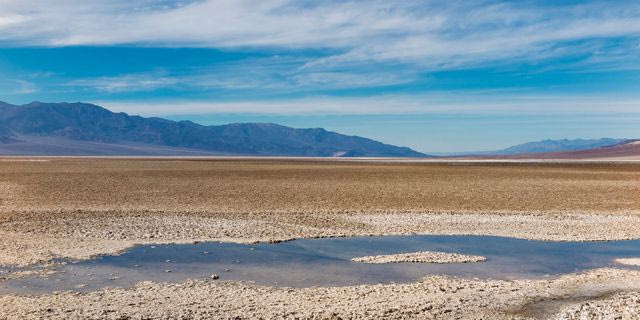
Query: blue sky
pixel 437 76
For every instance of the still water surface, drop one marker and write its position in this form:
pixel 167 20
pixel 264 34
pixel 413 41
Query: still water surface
pixel 326 262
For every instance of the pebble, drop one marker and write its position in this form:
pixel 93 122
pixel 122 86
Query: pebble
pixel 215 276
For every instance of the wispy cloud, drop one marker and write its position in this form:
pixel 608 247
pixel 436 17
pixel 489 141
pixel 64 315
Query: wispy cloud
pixel 25 87
pixel 125 83
pixel 274 80
pixel 444 102
pixel 433 34
pixel 18 87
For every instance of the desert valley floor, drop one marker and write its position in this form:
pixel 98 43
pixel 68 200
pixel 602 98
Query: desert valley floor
pixel 77 208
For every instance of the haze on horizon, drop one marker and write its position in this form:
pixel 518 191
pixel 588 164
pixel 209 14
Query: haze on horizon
pixel 437 76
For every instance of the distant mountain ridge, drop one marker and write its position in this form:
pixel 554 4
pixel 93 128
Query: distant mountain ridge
pixel 41 128
pixel 545 146
pixel 625 150
pixel 561 145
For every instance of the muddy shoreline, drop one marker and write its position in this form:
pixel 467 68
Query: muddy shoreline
pixel 431 298
pixel 82 235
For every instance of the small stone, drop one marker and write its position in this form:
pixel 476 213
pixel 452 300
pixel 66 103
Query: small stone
pixel 215 276
pixel 227 270
pixel 167 271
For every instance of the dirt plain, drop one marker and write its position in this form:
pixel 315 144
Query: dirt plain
pixel 81 207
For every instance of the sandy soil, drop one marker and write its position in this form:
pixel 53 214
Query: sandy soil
pixel 240 187
pixel 82 207
pixel 421 257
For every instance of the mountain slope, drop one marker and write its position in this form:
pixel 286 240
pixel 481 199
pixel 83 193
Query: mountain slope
pixel 80 122
pixel 563 145
pixel 626 149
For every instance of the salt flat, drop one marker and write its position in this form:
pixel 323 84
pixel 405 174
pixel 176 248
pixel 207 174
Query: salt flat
pixel 80 207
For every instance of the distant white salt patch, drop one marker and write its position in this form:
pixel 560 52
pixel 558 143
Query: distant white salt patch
pixel 421 257
pixel 629 261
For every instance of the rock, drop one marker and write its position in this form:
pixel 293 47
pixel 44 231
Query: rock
pixel 215 276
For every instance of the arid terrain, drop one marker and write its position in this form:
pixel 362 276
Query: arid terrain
pixel 420 257
pixel 80 207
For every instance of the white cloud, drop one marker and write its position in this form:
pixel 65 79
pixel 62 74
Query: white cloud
pixel 239 78
pixel 9 20
pixel 17 87
pixel 126 83
pixel 434 34
pixel 444 102
pixel 25 87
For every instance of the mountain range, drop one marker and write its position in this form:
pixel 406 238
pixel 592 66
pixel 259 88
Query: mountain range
pixel 41 128
pixel 74 129
pixel 561 145
pixel 628 149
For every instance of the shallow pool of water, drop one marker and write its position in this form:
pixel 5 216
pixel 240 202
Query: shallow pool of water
pixel 326 262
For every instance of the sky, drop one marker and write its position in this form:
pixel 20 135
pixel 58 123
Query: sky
pixel 437 76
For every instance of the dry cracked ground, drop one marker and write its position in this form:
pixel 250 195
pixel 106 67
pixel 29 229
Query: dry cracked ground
pixel 81 207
